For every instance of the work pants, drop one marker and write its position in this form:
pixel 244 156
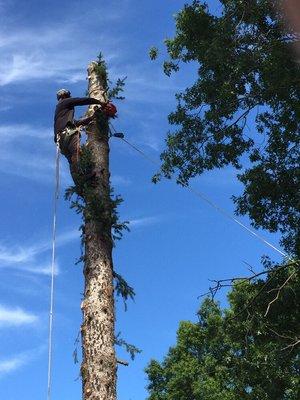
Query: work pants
pixel 69 145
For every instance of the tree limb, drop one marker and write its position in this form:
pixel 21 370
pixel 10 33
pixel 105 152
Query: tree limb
pixel 278 292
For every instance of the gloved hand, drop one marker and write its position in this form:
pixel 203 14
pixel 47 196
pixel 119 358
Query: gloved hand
pixel 110 110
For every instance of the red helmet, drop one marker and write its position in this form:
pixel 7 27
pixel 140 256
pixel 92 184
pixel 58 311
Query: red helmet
pixel 110 110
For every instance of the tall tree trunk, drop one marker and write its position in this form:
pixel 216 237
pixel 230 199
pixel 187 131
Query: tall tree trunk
pixel 98 368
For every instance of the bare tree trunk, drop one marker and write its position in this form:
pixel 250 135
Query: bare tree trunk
pixel 98 368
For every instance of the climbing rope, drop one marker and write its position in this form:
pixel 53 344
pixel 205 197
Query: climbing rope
pixel 56 194
pixel 211 203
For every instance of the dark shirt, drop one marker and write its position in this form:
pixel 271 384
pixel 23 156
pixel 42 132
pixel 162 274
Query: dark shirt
pixel 64 111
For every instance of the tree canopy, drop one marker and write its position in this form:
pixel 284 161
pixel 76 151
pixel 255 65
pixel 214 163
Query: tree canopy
pixel 246 352
pixel 242 110
pixel 246 76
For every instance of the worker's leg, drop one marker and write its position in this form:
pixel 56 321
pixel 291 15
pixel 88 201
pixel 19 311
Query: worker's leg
pixel 73 154
pixel 70 148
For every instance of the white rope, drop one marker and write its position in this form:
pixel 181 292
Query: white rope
pixel 228 215
pixel 56 193
pixel 214 205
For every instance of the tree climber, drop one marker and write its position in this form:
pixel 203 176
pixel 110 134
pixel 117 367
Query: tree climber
pixel 67 129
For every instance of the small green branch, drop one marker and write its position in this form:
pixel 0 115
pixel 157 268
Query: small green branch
pixel 114 92
pixel 101 69
pixel 130 348
pixel 123 289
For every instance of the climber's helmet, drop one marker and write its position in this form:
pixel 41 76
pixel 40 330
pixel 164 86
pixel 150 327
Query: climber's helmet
pixel 63 94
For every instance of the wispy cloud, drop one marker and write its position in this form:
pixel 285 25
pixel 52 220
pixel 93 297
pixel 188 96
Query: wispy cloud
pixel 27 151
pixel 12 364
pixel 42 269
pixel 146 83
pixel 41 53
pixel 145 221
pixel 48 53
pixel 15 362
pixel 26 258
pixel 120 180
pixel 12 317
pixel 11 132
pixel 25 55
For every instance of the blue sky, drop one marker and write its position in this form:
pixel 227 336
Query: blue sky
pixel 176 244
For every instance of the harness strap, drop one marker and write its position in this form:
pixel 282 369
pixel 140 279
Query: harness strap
pixel 66 134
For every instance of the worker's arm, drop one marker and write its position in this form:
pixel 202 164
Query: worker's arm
pixel 84 121
pixel 82 101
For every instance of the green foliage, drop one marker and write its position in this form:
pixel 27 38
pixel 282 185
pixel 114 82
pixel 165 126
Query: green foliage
pixel 82 185
pixel 114 92
pixel 153 53
pixel 76 345
pixel 104 212
pixel 118 227
pixel 249 351
pixel 101 70
pixel 245 75
pixel 84 201
pixel 130 348
pixel 92 208
pixel 123 289
pixel 238 353
pixel 98 211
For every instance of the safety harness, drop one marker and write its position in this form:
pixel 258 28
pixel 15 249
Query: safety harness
pixel 109 110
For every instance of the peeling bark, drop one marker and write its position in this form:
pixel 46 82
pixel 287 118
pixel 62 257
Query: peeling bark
pixel 98 367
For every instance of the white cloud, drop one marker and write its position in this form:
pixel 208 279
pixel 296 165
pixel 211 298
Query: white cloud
pixel 25 254
pixel 27 258
pixel 46 53
pixel 12 317
pixel 120 180
pixel 152 141
pixel 36 162
pixel 18 158
pixel 140 222
pixel 42 269
pixel 9 133
pixel 19 255
pixel 67 236
pixel 12 364
pixel 51 53
pixel 146 83
pixel 15 362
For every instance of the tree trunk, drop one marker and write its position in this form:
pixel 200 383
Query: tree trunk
pixel 98 367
